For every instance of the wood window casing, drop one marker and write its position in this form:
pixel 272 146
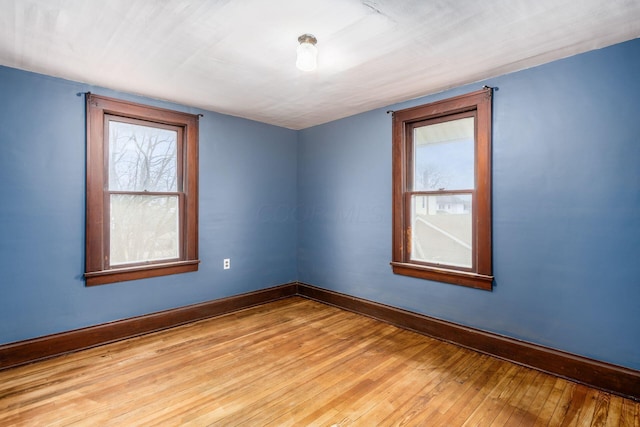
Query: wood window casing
pixel 101 110
pixel 478 105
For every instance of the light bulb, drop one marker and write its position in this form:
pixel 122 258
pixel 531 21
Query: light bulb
pixel 307 53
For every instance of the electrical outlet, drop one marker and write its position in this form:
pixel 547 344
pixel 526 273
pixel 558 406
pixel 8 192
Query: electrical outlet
pixel 226 263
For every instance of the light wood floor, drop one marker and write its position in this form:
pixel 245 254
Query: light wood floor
pixel 295 362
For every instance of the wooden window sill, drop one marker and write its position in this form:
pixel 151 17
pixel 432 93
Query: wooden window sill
pixel 456 277
pixel 139 272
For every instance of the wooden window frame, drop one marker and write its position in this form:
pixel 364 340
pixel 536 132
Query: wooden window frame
pixel 99 110
pixel 480 274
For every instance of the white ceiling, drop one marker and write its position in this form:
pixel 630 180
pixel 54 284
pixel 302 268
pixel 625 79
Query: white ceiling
pixel 238 56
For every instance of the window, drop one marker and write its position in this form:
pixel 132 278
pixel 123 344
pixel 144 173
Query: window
pixel 142 191
pixel 442 191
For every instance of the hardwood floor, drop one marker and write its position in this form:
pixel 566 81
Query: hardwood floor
pixel 296 362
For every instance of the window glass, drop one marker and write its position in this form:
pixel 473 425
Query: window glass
pixel 441 231
pixel 142 158
pixel 444 155
pixel 143 228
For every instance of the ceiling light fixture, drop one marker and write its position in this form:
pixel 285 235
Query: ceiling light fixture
pixel 307 53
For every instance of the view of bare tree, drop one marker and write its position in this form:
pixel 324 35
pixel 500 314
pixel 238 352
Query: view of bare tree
pixel 431 177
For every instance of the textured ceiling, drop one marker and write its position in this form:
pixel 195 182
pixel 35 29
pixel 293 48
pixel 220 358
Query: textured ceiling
pixel 238 56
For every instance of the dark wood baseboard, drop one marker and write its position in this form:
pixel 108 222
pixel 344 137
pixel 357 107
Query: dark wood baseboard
pixel 601 375
pixel 31 350
pixel 593 373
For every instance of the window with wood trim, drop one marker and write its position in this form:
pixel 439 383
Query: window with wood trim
pixel 142 191
pixel 442 191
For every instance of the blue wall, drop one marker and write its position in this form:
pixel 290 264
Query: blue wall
pixel 566 209
pixel 315 206
pixel 245 169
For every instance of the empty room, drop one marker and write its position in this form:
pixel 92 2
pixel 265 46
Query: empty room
pixel 332 213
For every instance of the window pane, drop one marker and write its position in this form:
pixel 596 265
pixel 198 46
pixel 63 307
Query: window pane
pixel 441 229
pixel 143 228
pixel 444 156
pixel 142 158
